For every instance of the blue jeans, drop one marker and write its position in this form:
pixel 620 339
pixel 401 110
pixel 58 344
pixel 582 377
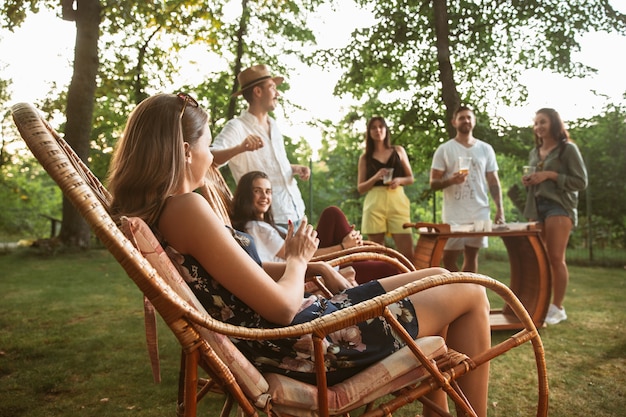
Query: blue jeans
pixel 548 208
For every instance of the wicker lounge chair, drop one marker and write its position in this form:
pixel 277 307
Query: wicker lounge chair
pixel 409 374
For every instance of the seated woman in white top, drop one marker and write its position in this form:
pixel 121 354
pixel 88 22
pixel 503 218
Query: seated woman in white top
pixel 252 213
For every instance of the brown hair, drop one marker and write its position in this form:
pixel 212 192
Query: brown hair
pixel 369 142
pixel 557 127
pixel 243 205
pixel 462 108
pixel 148 163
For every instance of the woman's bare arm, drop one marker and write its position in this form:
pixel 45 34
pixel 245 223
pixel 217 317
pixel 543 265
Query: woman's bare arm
pixel 189 224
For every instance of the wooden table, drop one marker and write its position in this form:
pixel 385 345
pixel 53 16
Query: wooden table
pixel 531 279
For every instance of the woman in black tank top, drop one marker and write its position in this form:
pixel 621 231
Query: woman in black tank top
pixel 383 171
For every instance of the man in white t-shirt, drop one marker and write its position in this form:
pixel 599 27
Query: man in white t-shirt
pixel 253 142
pixel 466 193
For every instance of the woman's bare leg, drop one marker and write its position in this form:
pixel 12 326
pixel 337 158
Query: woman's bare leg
pixel 377 238
pixel 404 244
pixel 556 231
pixel 450 259
pixel 462 312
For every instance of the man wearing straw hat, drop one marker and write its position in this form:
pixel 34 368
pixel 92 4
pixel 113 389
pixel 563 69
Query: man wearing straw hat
pixel 253 142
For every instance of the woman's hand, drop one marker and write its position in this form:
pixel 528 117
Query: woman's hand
pixel 301 171
pixel 538 177
pixel 301 243
pixel 349 274
pixel 333 279
pixel 380 174
pixel 395 183
pixel 352 239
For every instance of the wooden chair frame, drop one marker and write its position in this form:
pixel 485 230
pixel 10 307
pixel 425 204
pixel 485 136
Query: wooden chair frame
pixel 190 324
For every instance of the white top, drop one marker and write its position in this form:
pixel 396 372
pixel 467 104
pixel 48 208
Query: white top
pixel 272 159
pixel 469 201
pixel 267 240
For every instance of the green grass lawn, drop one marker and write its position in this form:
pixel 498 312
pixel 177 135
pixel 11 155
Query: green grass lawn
pixel 72 344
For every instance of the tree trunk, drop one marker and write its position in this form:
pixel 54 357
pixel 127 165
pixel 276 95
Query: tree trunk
pixel 449 92
pixel 138 84
pixel 241 32
pixel 80 104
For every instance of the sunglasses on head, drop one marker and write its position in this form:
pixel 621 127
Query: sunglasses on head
pixel 187 99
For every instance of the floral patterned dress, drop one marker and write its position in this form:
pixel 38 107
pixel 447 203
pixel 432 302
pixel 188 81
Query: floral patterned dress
pixel 347 351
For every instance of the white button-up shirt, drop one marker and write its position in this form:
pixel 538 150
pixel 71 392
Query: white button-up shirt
pixel 287 202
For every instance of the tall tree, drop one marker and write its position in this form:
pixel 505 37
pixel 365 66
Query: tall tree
pixel 276 36
pixel 421 58
pixel 449 93
pixel 80 95
pixel 116 78
pixel 80 104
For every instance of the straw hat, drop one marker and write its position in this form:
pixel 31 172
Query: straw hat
pixel 253 76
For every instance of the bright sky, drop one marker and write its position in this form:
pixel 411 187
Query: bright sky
pixel 41 51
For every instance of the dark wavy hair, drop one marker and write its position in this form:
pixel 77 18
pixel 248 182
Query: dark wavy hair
pixel 243 203
pixel 557 127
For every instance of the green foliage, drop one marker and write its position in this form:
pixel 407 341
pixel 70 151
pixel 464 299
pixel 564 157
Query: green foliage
pixel 394 61
pixel 335 175
pixel 390 67
pixel 29 197
pixel 14 12
pixel 601 140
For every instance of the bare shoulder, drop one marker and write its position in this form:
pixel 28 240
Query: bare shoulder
pixel 400 151
pixel 399 148
pixel 188 217
pixel 187 204
pixel 362 160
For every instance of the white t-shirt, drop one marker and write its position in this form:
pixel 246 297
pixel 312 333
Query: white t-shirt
pixel 267 240
pixel 287 202
pixel 469 201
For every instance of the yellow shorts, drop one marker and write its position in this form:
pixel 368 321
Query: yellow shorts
pixel 385 210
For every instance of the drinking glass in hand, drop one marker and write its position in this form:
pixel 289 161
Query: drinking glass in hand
pixel 388 176
pixel 464 164
pixel 527 170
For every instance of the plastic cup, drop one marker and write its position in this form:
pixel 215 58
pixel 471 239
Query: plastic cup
pixel 388 176
pixel 527 170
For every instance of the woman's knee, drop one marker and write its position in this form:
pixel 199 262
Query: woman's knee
pixel 478 294
pixel 436 270
pixel 332 211
pixel 556 258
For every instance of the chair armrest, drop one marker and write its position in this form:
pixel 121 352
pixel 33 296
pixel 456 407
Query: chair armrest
pixel 363 311
pixel 375 252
